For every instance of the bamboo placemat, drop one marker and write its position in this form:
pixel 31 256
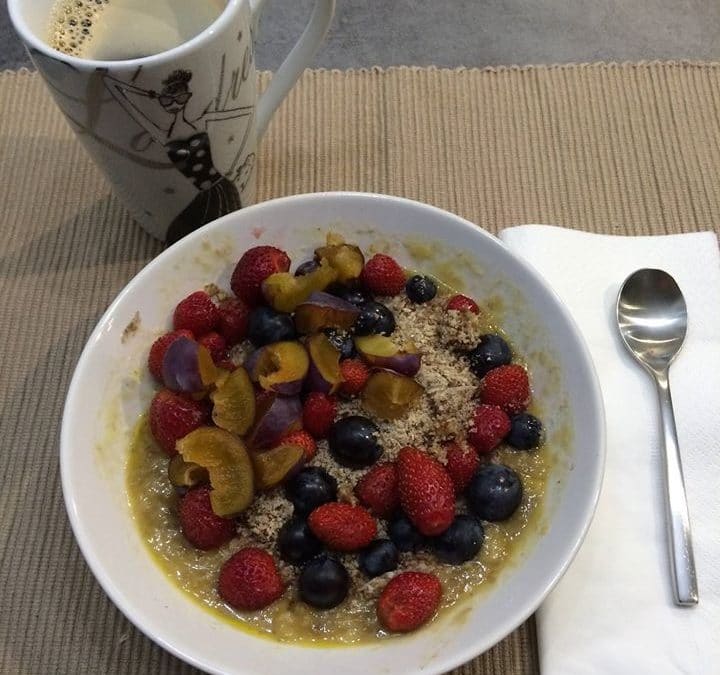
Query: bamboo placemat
pixel 631 149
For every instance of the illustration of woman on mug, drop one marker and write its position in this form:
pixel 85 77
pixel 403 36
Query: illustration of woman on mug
pixel 187 145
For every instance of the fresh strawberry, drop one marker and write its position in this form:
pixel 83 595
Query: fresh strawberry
pixel 201 527
pixel 462 303
pixel 304 440
pixel 489 425
pixel 342 527
pixel 409 600
pixel 233 320
pixel 507 387
pixel 216 345
pixel 196 313
pixel 158 349
pixel 383 276
pixel 355 375
pixel 256 265
pixel 318 414
pixel 426 491
pixel 250 580
pixel 461 464
pixel 173 416
pixel 378 490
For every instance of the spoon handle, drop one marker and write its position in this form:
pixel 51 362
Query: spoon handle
pixel 685 588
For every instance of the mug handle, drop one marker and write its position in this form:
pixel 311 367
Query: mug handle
pixel 295 62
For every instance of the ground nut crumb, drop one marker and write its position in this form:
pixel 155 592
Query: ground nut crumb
pixel 265 516
pixel 461 330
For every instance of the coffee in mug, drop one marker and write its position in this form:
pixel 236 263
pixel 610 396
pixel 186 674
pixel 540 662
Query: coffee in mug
pixel 112 30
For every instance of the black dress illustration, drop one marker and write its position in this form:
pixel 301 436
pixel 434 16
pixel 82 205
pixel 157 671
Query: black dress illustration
pixel 217 195
pixel 187 145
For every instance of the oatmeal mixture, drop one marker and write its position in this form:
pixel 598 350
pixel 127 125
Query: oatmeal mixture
pixel 441 414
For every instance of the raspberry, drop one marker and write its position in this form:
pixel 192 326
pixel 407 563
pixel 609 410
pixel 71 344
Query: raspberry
pixel 383 276
pixel 304 440
pixel 250 580
pixel 507 387
pixel 355 375
pixel 408 601
pixel 461 464
pixel 196 313
pixel 426 491
pixel 489 425
pixel 233 320
pixel 158 349
pixel 256 265
pixel 173 416
pixel 215 344
pixel 200 525
pixel 462 303
pixel 377 490
pixel 342 527
pixel 318 414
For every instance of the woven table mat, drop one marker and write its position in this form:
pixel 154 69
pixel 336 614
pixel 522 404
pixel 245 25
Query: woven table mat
pixel 631 149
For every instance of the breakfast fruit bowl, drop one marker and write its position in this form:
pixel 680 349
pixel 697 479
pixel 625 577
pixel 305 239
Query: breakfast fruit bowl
pixel 332 434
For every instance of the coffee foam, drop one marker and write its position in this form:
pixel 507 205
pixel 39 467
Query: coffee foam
pixel 124 29
pixel 71 24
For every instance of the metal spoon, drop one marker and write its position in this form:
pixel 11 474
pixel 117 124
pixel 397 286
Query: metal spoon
pixel 652 318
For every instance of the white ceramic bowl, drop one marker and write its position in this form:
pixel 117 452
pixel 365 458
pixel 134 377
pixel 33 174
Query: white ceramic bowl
pixel 110 389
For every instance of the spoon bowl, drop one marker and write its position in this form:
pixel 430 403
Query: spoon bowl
pixel 652 317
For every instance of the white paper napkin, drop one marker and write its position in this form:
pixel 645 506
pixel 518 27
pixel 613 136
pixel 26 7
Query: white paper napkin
pixel 613 610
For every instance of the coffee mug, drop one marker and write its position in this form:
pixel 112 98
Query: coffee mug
pixel 176 133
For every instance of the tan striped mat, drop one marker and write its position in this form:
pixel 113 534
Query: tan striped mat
pixel 629 149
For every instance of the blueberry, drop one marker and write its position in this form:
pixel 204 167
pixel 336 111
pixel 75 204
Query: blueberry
pixel 309 488
pixel 324 582
pixel 374 318
pixel 494 492
pixel 461 541
pixel 420 289
pixel 296 543
pixel 492 351
pixel 404 534
pixel 379 557
pixel 353 441
pixel 265 325
pixel 342 341
pixel 355 296
pixel 526 432
pixel 306 267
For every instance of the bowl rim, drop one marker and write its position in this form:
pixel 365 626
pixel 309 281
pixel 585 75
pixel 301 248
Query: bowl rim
pixel 133 613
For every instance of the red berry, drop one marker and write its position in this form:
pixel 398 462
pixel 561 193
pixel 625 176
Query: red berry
pixel 426 491
pixel 489 425
pixel 216 345
pixel 461 464
pixel 378 490
pixel 256 265
pixel 507 387
pixel 304 440
pixel 158 349
pixel 318 414
pixel 408 601
pixel 383 276
pixel 233 320
pixel 200 525
pixel 173 416
pixel 355 375
pixel 462 303
pixel 343 527
pixel 196 313
pixel 250 580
